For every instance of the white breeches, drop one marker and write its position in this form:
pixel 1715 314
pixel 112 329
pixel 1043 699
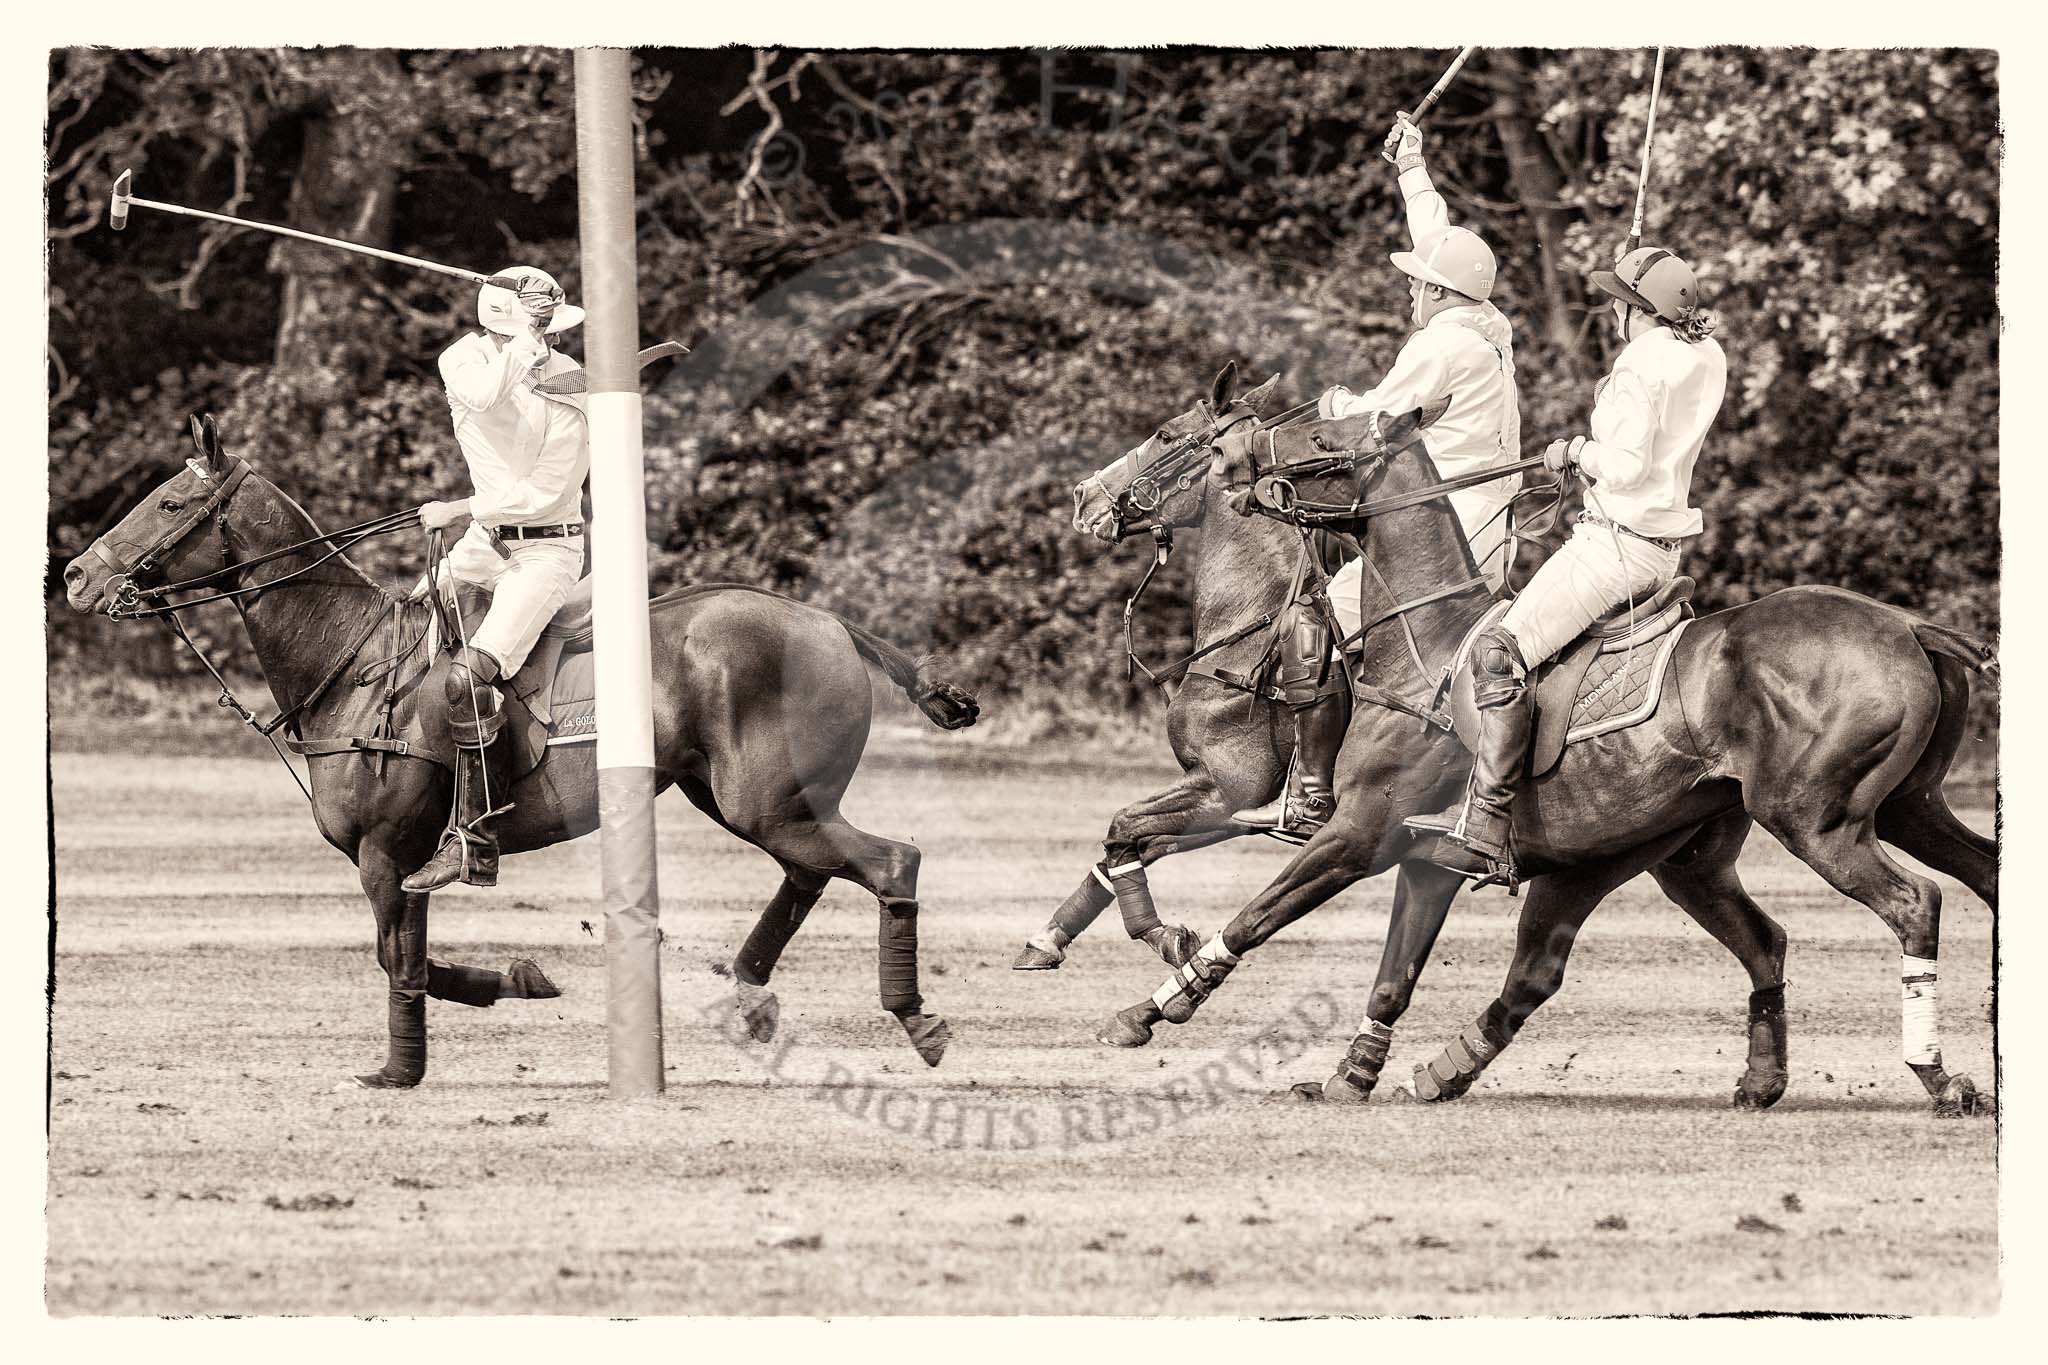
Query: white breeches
pixel 529 580
pixel 1596 570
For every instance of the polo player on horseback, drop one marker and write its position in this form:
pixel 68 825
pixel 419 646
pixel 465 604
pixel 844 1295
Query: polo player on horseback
pixel 1650 417
pixel 1463 350
pixel 528 452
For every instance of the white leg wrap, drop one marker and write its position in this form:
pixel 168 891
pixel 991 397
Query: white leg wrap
pixel 1370 1027
pixel 1185 977
pixel 1919 1010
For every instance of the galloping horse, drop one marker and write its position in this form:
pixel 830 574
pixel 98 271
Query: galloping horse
pixel 761 713
pixel 1828 718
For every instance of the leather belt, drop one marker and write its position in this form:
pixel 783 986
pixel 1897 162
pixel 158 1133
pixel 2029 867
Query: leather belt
pixel 1660 543
pixel 559 532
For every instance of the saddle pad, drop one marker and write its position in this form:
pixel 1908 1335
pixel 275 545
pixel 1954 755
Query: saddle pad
pixel 572 705
pixel 1622 689
pixel 1586 691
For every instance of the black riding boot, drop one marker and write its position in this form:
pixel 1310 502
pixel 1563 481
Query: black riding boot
pixel 1473 837
pixel 469 850
pixel 1305 805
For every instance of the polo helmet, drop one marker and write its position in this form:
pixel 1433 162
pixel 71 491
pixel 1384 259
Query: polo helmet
pixel 1654 280
pixel 1456 258
pixel 500 311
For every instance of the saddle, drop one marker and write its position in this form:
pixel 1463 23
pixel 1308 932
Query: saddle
pixel 1610 678
pixel 550 701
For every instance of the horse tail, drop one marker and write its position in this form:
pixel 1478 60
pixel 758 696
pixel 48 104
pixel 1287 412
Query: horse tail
pixel 1972 651
pixel 944 705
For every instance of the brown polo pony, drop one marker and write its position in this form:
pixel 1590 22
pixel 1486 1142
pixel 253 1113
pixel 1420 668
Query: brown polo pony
pixel 1829 718
pixel 761 713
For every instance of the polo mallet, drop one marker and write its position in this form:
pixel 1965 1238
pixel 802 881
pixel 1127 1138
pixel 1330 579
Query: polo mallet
pixel 1635 232
pixel 117 218
pixel 1435 92
pixel 578 381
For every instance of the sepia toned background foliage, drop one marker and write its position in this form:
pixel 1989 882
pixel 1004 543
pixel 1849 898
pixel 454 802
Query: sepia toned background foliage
pixel 928 292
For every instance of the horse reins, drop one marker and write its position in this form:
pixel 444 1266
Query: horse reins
pixel 125 602
pixel 1273 492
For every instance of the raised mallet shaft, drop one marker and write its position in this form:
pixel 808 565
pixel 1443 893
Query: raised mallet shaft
pixel 117 218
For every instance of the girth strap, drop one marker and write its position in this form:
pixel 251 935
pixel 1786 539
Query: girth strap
pixel 350 744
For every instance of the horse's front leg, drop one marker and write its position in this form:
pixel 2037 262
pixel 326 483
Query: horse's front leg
pixel 1192 813
pixel 1422 900
pixel 402 953
pixel 1340 853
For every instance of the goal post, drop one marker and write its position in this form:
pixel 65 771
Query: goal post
pixel 618 541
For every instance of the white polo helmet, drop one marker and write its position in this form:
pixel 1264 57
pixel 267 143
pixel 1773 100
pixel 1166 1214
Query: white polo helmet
pixel 500 310
pixel 1456 258
pixel 1654 280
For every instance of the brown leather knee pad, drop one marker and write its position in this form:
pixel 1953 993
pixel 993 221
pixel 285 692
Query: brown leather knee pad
pixel 1498 675
pixel 476 710
pixel 1304 654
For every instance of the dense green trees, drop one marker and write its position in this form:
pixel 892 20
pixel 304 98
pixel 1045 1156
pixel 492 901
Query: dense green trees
pixel 928 292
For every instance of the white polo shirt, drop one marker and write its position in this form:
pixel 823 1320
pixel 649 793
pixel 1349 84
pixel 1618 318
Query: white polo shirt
pixel 528 452
pixel 1650 418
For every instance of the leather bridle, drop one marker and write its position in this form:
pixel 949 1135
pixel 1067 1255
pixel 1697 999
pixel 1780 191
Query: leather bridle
pixel 1181 465
pixel 130 599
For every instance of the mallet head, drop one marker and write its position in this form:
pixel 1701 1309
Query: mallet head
pixel 117 209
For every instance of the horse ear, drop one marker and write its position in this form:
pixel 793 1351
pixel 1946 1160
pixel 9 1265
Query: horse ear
pixel 1256 399
pixel 1399 430
pixel 1224 387
pixel 198 434
pixel 209 441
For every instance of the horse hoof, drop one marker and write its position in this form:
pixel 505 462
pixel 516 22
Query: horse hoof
pixel 759 1010
pixel 1337 1090
pixel 929 1035
pixel 1332 1091
pixel 1033 958
pixel 1430 1090
pixel 1759 1094
pixel 378 1080
pixel 1960 1098
pixel 1129 1028
pixel 529 982
pixel 1176 944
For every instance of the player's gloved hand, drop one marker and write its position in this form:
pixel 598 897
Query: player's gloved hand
pixel 1561 456
pixel 1404 141
pixel 1326 406
pixel 437 516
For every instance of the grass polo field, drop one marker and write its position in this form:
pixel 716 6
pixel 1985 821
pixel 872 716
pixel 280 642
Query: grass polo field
pixel 216 979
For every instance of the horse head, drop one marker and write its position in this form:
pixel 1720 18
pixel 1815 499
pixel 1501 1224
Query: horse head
pixel 155 541
pixel 1159 482
pixel 1264 470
